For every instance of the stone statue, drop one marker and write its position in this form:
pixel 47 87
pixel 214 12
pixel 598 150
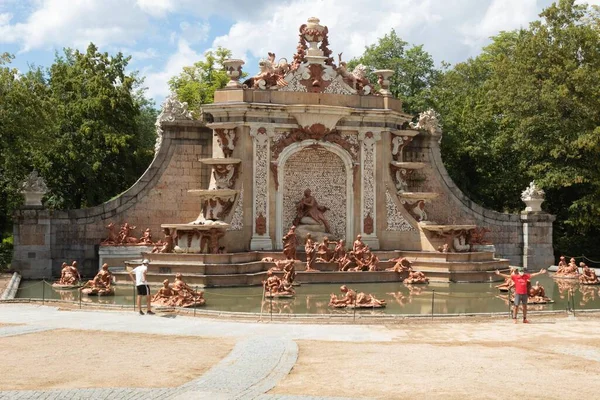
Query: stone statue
pixel 569 272
pixel 508 282
pixel 368 262
pixel 147 237
pixel 101 285
pixel 324 253
pixel 345 262
pixel 289 274
pixel 310 247
pixel 185 296
pixel 311 212
pixel 164 295
pixel 537 294
pixel 351 299
pixel 588 275
pixel 290 241
pixel 167 244
pixel 271 74
pixel 340 251
pixel 416 277
pixel 429 121
pixel 125 234
pixel 69 276
pixel 276 287
pixel 113 236
pixel 460 243
pixel 359 248
pixel 402 265
pixel 533 197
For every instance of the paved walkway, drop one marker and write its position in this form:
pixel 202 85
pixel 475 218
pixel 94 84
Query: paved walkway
pixel 263 356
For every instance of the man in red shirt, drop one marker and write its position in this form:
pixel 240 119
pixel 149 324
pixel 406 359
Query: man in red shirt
pixel 521 279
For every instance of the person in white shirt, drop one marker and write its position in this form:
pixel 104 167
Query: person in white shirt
pixel 141 285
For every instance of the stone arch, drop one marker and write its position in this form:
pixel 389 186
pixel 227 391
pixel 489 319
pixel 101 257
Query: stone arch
pixel 342 157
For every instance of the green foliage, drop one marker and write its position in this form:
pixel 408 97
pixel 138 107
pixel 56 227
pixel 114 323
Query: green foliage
pixel 414 68
pixel 529 108
pixel 196 85
pixel 6 248
pixel 83 123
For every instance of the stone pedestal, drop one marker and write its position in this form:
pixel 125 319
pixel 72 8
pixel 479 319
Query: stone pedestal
pixel 32 256
pixel 537 240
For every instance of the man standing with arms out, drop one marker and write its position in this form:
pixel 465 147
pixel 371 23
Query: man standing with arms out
pixel 141 285
pixel 521 291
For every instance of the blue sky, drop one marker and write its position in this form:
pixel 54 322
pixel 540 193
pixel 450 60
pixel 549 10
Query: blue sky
pixel 162 36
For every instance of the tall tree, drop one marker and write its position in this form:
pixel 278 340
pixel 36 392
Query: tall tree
pixel 92 152
pixel 196 85
pixel 414 68
pixel 529 108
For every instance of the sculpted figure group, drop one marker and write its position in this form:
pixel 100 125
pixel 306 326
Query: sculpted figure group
pixel 588 275
pixel 101 285
pixel 178 295
pixel 124 236
pixel 69 276
pixel 351 299
pixel 567 271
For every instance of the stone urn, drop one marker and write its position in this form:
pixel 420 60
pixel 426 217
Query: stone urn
pixel 533 197
pixel 384 80
pixel 34 188
pixel 234 71
pixel 313 33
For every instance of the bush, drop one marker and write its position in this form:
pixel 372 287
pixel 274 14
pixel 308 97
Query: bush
pixel 6 250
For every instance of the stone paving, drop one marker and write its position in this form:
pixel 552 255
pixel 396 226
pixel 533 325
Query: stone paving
pixel 260 359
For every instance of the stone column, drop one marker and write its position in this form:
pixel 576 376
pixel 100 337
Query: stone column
pixel 261 141
pixel 537 240
pixel 368 161
pixel 32 255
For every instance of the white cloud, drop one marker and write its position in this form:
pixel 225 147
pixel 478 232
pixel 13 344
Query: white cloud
pixel 195 33
pixel 156 8
pixel 76 23
pixel 501 15
pixel 139 55
pixel 157 81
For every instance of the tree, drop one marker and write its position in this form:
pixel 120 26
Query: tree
pixel 414 68
pixel 24 106
pixel 196 85
pixel 529 108
pixel 94 147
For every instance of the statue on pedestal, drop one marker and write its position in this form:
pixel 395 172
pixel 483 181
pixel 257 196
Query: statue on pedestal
pixel 402 265
pixel 351 299
pixel 588 275
pixel 164 295
pixel 167 244
pixel 569 271
pixel 69 276
pixel 324 253
pixel 537 294
pixel 101 285
pixel 310 217
pixel 416 277
pixel 276 287
pixel 310 247
pixel 290 241
pixel 185 296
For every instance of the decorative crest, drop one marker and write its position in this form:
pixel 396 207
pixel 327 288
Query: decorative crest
pixel 429 121
pixel 172 110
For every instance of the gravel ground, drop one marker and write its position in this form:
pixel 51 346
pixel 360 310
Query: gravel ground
pixel 434 367
pixel 93 359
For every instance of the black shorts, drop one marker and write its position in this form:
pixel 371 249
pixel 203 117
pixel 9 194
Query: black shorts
pixel 143 290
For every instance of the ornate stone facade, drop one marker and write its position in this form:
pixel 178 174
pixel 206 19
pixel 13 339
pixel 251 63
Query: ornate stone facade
pixel 369 185
pixel 261 137
pixel 322 172
pixel 395 219
pixel 237 220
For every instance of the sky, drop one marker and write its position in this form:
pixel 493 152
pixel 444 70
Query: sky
pixel 163 36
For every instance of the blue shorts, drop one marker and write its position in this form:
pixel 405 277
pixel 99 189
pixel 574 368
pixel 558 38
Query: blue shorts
pixel 521 299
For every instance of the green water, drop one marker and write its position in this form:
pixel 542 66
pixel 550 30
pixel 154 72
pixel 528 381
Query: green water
pixel 449 298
